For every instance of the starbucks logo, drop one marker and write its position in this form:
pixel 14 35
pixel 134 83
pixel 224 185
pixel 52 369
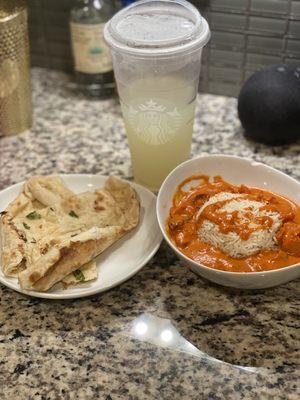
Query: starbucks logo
pixel 155 122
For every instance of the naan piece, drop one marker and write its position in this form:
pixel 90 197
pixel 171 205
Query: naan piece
pixel 29 218
pixel 48 234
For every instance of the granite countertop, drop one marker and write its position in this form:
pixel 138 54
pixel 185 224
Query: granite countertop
pixel 224 343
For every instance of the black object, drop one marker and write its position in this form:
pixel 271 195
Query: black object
pixel 269 105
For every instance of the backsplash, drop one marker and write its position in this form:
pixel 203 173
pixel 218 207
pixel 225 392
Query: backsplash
pixel 246 35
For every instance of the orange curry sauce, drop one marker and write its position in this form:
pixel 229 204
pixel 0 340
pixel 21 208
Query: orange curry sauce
pixel 184 222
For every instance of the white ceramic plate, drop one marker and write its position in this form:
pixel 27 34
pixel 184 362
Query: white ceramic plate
pixel 118 263
pixel 235 170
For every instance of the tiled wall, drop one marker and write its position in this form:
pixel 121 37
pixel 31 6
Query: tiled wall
pixel 246 35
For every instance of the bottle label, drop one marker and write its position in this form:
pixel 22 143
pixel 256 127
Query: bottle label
pixel 91 53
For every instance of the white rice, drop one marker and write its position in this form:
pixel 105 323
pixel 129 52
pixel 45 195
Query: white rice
pixel 231 243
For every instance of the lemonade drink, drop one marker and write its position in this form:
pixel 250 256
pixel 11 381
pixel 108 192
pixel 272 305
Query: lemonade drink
pixel 156 49
pixel 159 125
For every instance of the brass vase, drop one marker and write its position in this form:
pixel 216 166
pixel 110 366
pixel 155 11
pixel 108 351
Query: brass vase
pixel 15 84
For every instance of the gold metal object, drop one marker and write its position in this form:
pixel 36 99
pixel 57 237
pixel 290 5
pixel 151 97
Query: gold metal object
pixel 15 84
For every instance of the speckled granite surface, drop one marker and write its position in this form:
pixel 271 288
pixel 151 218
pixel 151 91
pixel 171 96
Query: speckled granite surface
pixel 245 343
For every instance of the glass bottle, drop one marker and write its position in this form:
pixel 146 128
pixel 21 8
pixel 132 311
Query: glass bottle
pixel 93 65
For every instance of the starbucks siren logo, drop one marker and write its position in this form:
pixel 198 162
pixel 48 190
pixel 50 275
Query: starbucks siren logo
pixel 153 122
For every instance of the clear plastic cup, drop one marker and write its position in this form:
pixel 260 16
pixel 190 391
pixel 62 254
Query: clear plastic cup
pixel 156 49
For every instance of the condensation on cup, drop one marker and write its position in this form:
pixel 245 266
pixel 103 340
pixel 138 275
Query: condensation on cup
pixel 156 48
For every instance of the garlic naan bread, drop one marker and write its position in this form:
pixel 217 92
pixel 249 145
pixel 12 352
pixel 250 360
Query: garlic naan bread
pixel 49 234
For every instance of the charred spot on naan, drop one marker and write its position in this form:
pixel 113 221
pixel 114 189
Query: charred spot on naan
pixel 72 203
pixel 98 202
pixel 21 234
pixel 44 249
pixel 34 277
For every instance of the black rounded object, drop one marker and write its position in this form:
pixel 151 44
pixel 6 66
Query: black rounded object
pixel 269 105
